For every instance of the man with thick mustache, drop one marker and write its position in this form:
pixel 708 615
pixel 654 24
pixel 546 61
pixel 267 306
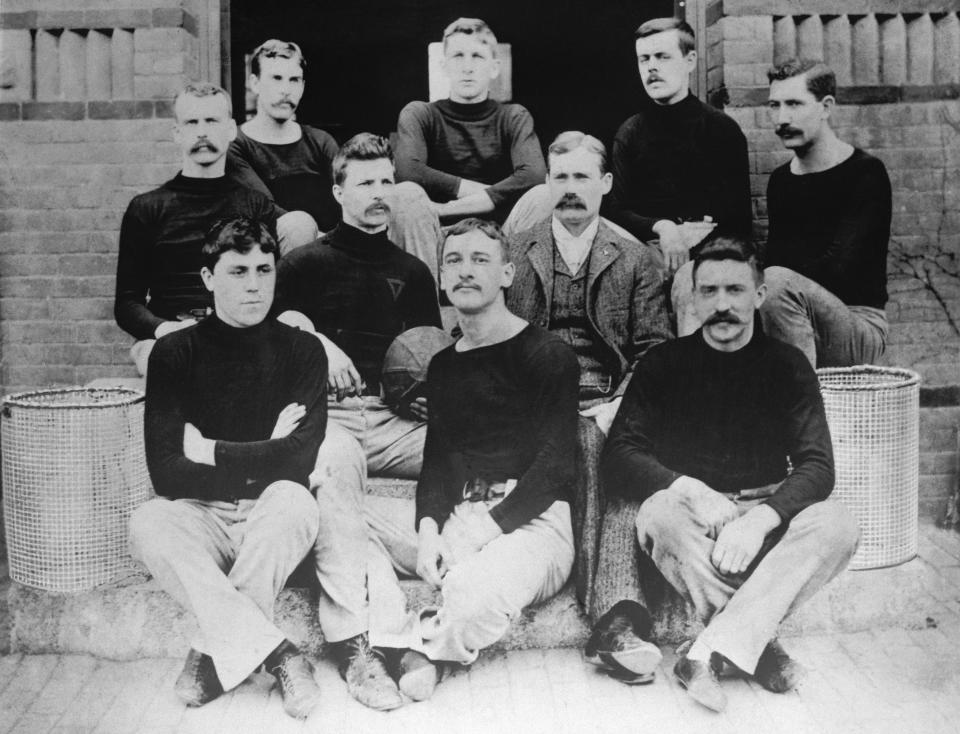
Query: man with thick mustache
pixel 830 210
pixel 159 289
pixel 358 291
pixel 722 435
pixel 602 293
pixel 680 167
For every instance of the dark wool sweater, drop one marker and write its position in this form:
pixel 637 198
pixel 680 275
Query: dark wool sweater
pixel 729 419
pixel 360 290
pixel 231 384
pixel 503 411
pixel 680 162
pixel 440 143
pixel 161 237
pixel 833 227
pixel 297 176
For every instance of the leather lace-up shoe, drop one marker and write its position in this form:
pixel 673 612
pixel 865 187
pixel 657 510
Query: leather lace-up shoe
pixel 197 683
pixel 418 675
pixel 618 643
pixel 365 672
pixel 294 674
pixel 776 670
pixel 700 679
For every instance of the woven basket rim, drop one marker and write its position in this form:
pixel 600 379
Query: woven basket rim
pixel 111 397
pixel 907 377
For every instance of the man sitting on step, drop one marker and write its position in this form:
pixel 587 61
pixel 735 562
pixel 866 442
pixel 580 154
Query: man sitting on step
pixel 722 435
pixel 492 528
pixel 235 413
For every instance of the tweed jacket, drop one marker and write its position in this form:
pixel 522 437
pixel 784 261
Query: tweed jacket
pixel 626 303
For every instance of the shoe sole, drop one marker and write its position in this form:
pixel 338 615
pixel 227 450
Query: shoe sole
pixel 715 706
pixel 419 684
pixel 641 660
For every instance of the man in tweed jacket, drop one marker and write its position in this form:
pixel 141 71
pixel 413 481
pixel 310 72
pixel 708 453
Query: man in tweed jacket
pixel 603 294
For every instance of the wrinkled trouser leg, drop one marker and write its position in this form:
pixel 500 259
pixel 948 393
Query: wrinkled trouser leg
pixel 801 312
pixel 484 593
pixel 742 612
pixel 414 226
pixel 618 567
pixel 227 566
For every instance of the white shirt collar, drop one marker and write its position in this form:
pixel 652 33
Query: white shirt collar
pixel 574 250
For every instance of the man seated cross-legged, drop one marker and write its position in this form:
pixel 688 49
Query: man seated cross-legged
pixel 723 436
pixel 492 528
pixel 235 413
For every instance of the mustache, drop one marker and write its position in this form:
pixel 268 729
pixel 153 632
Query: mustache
pixel 570 201
pixel 785 130
pixel 204 145
pixel 654 78
pixel 379 206
pixel 722 318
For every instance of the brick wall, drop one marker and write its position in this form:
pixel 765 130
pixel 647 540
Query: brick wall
pixel 84 125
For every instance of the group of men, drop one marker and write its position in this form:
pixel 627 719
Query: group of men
pixel 263 343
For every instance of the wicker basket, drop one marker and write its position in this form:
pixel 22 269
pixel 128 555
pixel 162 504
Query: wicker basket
pixel 873 413
pixel 73 471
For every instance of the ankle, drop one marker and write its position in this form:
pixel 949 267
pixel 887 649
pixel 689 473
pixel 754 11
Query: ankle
pixel 699 651
pixel 280 653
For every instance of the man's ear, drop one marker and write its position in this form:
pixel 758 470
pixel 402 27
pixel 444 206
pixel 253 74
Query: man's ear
pixel 232 127
pixel 495 69
pixel 761 295
pixel 207 276
pixel 337 193
pixel 828 103
pixel 691 59
pixel 509 271
pixel 607 181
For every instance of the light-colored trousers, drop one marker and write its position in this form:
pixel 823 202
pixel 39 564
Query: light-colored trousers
pixel 482 594
pixel 226 563
pixel 363 435
pixel 677 528
pixel 801 312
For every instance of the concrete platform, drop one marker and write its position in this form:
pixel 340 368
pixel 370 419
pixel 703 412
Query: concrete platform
pixel 134 618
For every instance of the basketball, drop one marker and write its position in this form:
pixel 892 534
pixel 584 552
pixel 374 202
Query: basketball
pixel 405 364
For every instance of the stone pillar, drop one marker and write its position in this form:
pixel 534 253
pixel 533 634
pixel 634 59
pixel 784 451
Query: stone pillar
pixel 920 50
pixel 121 64
pixel 73 65
pixel 810 37
pixel 47 65
pixel 893 51
pixel 784 39
pixel 866 51
pixel 98 65
pixel 837 46
pixel 946 50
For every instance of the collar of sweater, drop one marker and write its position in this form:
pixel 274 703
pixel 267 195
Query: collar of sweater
pixel 200 185
pixel 747 353
pixel 213 325
pixel 468 112
pixel 687 108
pixel 361 245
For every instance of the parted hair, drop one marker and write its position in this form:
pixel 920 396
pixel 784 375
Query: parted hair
pixel 469 27
pixel 570 140
pixel 821 81
pixel 361 147
pixel 204 89
pixel 472 224
pixel 276 49
pixel 729 248
pixel 240 234
pixel 688 41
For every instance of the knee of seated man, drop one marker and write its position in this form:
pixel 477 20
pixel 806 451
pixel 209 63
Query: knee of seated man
pixel 469 593
pixel 778 279
pixel 289 499
pixel 657 513
pixel 148 527
pixel 838 527
pixel 339 453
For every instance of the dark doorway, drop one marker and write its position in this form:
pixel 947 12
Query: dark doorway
pixel 573 62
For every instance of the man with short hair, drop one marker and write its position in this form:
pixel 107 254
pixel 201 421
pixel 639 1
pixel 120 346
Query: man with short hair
pixel 680 167
pixel 235 413
pixel 290 162
pixel 829 210
pixel 358 291
pixel 472 154
pixel 722 435
pixel 159 289
pixel 492 527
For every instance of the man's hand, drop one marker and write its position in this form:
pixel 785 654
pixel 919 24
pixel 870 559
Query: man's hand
pixel 739 541
pixel 342 376
pixel 418 409
pixel 693 233
pixel 468 187
pixel 288 420
pixel 430 565
pixel 196 447
pixel 603 414
pixel 672 244
pixel 168 327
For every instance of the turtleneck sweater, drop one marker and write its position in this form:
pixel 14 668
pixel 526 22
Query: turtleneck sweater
pixel 680 162
pixel 730 419
pixel 440 143
pixel 161 237
pixel 833 227
pixel 360 290
pixel 231 383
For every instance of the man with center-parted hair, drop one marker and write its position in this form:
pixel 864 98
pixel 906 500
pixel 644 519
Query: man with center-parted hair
pixel 358 291
pixel 159 289
pixel 291 162
pixel 680 167
pixel 492 527
pixel 722 436
pixel 473 155
pixel 235 413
